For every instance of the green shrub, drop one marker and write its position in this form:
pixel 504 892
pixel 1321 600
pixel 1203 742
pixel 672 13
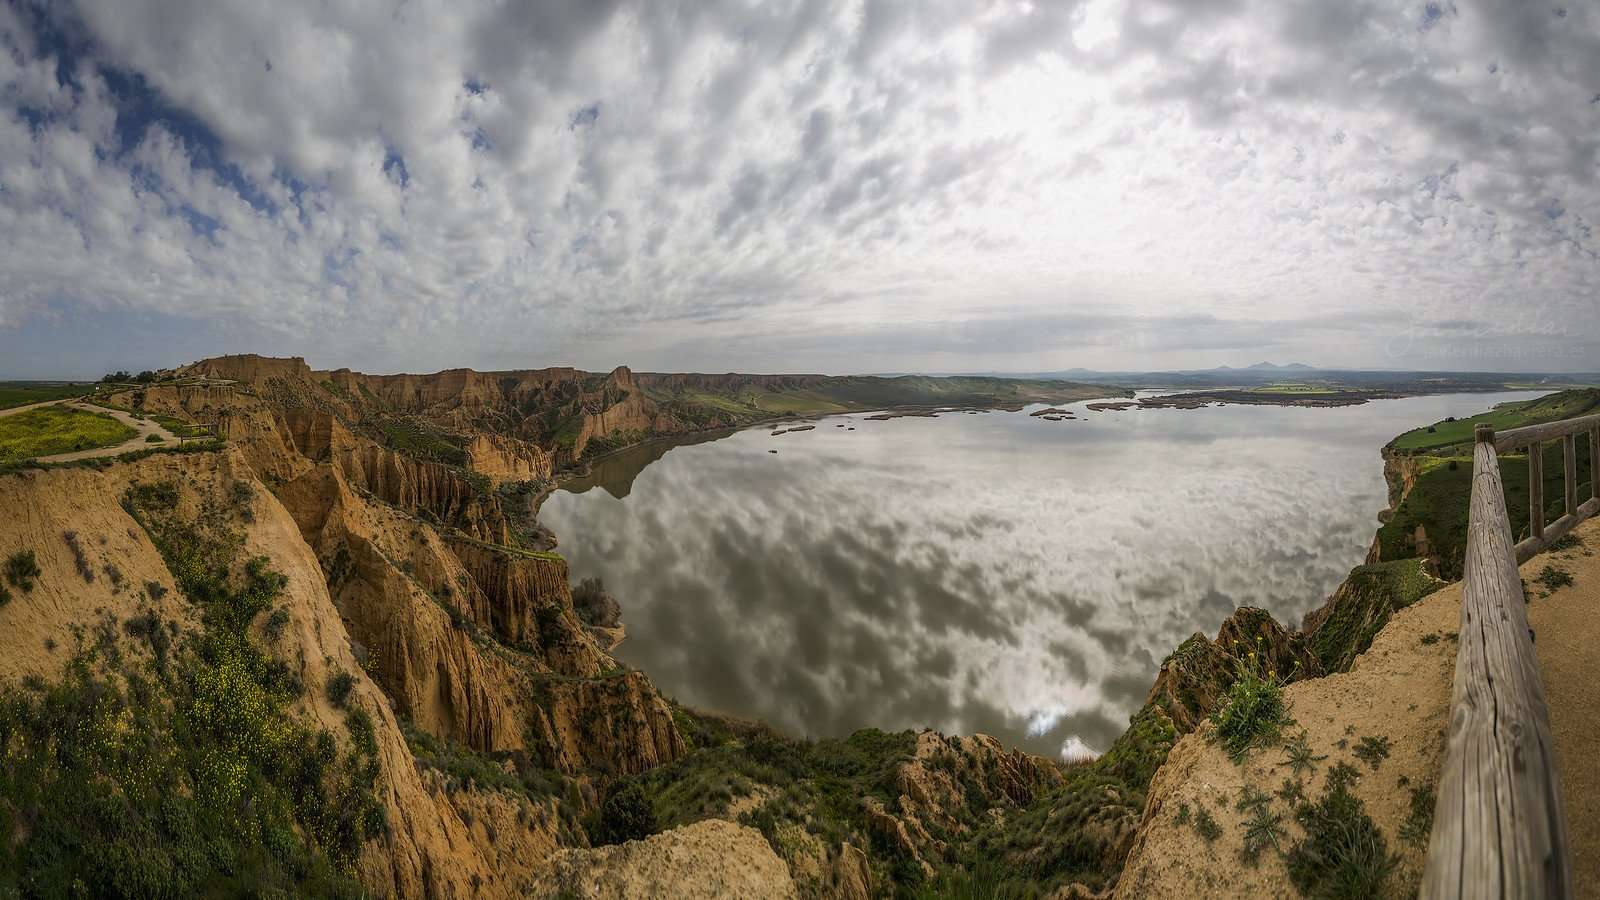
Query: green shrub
pixel 154 439
pixel 1252 713
pixel 1418 826
pixel 625 815
pixel 189 774
pixel 1343 855
pixel 1372 751
pixel 273 628
pixel 1552 578
pixel 22 568
pixel 339 687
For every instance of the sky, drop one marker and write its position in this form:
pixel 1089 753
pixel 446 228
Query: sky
pixel 801 185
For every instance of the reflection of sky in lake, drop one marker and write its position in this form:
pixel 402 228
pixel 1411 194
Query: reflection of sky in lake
pixel 990 572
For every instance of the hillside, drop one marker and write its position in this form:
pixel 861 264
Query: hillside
pixel 337 617
pixel 1430 475
pixel 527 423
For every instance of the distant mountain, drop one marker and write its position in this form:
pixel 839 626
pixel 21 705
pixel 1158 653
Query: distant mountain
pixel 1274 367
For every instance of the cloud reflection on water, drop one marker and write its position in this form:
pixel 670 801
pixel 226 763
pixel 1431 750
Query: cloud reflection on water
pixel 992 573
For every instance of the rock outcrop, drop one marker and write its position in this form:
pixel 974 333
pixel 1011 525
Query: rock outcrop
pixel 708 860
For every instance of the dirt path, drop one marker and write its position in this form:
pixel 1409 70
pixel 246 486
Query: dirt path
pixel 1566 635
pixel 140 441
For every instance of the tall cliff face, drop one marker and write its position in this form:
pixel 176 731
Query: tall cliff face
pixel 113 574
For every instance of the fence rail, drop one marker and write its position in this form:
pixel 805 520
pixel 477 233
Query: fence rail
pixel 1542 535
pixel 1498 827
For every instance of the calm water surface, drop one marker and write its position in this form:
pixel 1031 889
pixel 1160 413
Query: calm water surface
pixel 985 572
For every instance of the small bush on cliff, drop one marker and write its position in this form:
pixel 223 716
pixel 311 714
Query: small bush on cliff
pixel 21 570
pixel 1252 713
pixel 1343 855
pixel 339 688
pixel 625 815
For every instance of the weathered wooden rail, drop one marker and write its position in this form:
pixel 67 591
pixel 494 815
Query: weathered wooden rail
pixel 1498 827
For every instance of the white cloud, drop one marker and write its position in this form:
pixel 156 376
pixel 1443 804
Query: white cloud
pixel 811 185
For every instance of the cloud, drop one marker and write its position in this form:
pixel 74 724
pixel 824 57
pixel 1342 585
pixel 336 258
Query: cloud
pixel 666 184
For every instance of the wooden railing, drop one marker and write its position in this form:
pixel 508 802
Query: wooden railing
pixel 1540 535
pixel 1498 828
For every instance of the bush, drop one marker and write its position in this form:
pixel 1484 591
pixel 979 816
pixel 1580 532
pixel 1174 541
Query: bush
pixel 154 439
pixel 1343 855
pixel 625 815
pixel 79 558
pixel 1252 713
pixel 21 570
pixel 339 687
pixel 273 628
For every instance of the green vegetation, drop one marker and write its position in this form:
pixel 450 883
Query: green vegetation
pixel 625 815
pixel 57 429
pixel 730 400
pixel 339 687
pixel 1440 497
pixel 1453 432
pixel 415 437
pixel 1372 750
pixel 1206 825
pixel 171 763
pixel 22 567
pixel 1551 578
pixel 1252 713
pixel 1370 594
pixel 986 881
pixel 179 427
pixel 1343 855
pixel 1417 827
pixel 1298 756
pixel 22 393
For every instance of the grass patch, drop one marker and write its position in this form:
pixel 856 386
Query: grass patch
pixel 1551 578
pixel 1372 750
pixel 1343 855
pixel 1417 827
pixel 1515 414
pixel 58 429
pixel 22 393
pixel 1252 713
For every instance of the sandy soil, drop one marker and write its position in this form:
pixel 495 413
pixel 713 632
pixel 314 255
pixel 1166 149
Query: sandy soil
pixel 1566 632
pixel 1398 690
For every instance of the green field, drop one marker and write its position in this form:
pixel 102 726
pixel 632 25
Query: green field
pixel 1441 494
pixel 1296 387
pixel 21 393
pixel 1551 408
pixel 57 429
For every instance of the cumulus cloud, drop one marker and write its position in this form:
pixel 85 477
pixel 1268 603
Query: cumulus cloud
pixel 829 185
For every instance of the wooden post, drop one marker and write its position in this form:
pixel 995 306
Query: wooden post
pixel 1594 462
pixel 1498 828
pixel 1536 490
pixel 1569 465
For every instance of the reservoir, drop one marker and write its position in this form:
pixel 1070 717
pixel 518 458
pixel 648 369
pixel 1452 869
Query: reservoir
pixel 975 572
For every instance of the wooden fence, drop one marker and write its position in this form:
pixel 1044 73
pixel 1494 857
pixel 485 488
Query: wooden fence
pixel 1498 828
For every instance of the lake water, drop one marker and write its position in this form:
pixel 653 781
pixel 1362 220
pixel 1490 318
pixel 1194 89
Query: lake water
pixel 987 572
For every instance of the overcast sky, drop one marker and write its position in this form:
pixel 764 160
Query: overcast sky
pixel 800 186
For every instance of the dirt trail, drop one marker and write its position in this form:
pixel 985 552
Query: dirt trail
pixel 1566 632
pixel 140 441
